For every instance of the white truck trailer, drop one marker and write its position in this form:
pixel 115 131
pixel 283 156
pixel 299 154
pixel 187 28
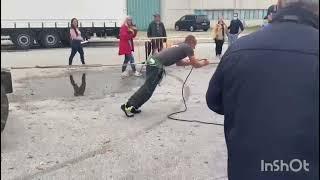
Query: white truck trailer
pixel 47 22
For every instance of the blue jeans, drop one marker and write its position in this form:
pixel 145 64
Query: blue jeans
pixel 232 38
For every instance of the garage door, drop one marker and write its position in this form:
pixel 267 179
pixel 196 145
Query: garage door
pixel 142 11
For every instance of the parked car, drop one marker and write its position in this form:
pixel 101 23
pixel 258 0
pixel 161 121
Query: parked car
pixel 193 23
pixel 6 87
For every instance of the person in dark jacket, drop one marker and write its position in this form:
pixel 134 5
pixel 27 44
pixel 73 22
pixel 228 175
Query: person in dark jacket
pixel 267 88
pixel 156 29
pixel 271 11
pixel 235 28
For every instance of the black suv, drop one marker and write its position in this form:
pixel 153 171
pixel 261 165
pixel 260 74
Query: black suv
pixel 192 23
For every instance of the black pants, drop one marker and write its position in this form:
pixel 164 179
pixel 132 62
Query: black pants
pixel 219 44
pixel 76 47
pixel 127 59
pixel 153 77
pixel 157 45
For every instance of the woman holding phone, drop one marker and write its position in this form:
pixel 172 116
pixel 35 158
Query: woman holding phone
pixel 76 41
pixel 219 33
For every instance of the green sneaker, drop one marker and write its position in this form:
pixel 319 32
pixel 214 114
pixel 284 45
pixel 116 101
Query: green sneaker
pixel 127 110
pixel 135 111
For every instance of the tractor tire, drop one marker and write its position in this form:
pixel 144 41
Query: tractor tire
pixel 4 108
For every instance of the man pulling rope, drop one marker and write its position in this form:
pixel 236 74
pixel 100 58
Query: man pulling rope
pixel 155 71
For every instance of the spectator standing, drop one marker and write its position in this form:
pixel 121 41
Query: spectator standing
pixel 76 39
pixel 267 88
pixel 235 28
pixel 156 29
pixel 219 33
pixel 128 31
pixel 271 11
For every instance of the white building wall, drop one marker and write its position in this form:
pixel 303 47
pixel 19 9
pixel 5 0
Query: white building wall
pixel 172 10
pixel 231 4
pixel 212 4
pixel 254 4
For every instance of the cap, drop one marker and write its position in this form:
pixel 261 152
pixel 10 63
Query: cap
pixel 156 14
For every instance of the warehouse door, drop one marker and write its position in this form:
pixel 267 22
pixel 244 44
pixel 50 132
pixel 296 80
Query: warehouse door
pixel 142 11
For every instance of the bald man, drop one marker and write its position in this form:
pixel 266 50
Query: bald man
pixel 155 70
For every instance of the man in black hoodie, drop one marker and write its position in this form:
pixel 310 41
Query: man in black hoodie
pixel 156 29
pixel 267 88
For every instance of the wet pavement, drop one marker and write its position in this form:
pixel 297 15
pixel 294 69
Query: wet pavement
pixel 67 124
pixel 82 82
pixel 93 56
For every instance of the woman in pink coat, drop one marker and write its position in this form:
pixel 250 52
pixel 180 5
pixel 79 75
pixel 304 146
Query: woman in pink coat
pixel 128 31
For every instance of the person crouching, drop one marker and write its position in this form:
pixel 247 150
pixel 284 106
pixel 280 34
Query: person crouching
pixel 155 71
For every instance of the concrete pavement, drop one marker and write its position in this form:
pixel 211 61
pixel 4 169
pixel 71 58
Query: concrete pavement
pixel 52 134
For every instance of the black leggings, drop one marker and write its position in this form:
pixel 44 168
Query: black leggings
pixel 219 44
pixel 127 59
pixel 76 47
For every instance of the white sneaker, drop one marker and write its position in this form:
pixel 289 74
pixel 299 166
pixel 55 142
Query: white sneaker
pixel 138 74
pixel 125 74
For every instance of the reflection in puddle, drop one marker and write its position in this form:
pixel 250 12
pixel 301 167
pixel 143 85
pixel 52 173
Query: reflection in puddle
pixel 79 91
pixel 94 84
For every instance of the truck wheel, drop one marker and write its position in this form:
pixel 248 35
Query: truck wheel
pixel 4 108
pixel 65 43
pixel 50 40
pixel 23 40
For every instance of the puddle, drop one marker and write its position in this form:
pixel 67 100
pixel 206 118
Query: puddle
pixel 96 84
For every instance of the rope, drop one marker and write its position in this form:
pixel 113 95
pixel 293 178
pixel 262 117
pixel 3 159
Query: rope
pixel 170 116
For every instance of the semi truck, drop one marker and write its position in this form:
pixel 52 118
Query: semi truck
pixel 47 23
